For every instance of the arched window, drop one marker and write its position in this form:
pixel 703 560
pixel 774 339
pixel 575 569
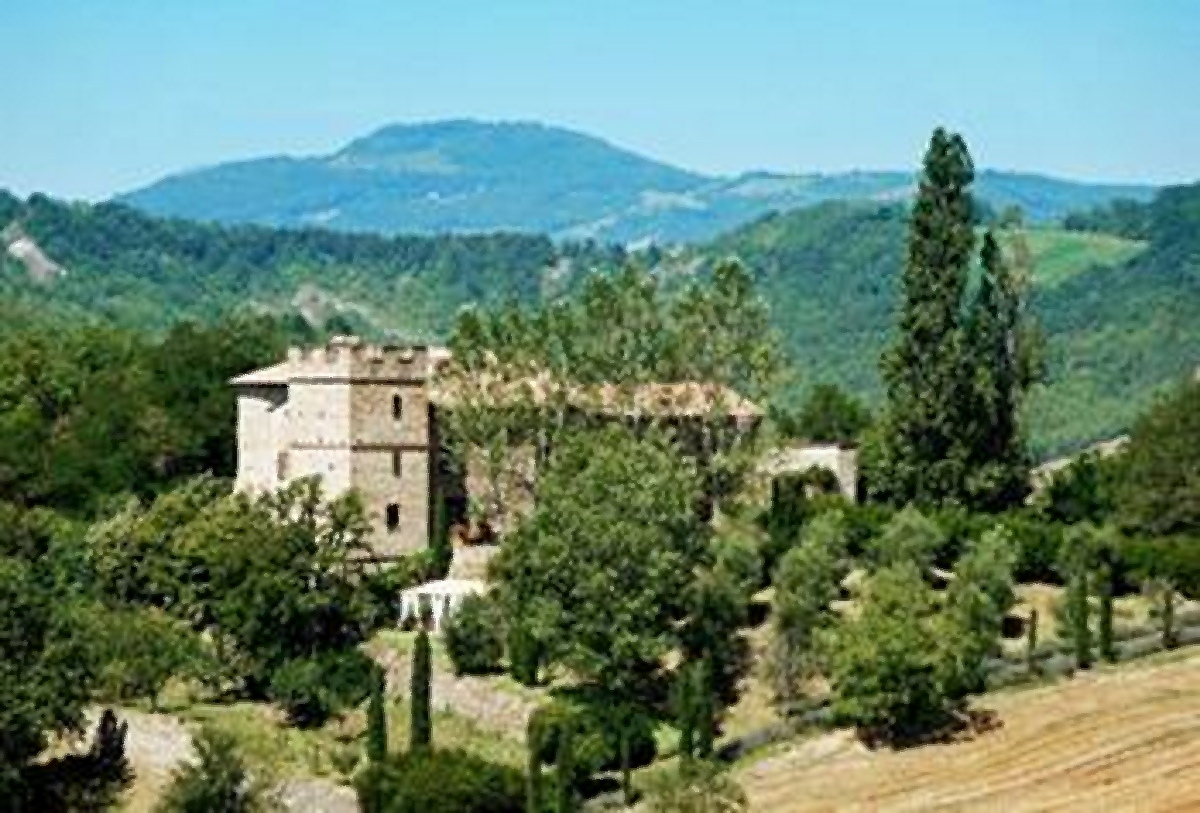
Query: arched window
pixel 393 517
pixel 397 407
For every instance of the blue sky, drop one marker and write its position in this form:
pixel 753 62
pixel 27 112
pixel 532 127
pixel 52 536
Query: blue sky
pixel 101 97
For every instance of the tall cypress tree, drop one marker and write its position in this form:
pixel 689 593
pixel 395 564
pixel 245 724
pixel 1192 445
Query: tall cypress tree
pixel 421 723
pixel 995 378
pixel 377 744
pixel 922 454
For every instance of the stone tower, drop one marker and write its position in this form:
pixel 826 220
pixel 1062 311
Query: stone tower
pixel 357 415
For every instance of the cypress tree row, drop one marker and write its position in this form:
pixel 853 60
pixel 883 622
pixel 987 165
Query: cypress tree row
pixel 564 770
pixel 685 713
pixel 1104 626
pixel 533 788
pixel 377 745
pixel 1077 614
pixel 1031 638
pixel 421 718
pixel 1167 612
pixel 705 708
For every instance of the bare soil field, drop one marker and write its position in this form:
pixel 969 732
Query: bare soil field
pixel 1126 739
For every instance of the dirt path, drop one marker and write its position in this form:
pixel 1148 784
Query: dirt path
pixel 157 744
pixel 1124 740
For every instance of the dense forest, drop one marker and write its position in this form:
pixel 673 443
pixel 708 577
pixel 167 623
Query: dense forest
pixel 1117 312
pixel 142 272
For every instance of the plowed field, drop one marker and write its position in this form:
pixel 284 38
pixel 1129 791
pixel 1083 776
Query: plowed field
pixel 1128 739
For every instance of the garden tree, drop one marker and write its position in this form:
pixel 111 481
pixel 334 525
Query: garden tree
pixel 44 675
pixel 533 778
pixel 908 537
pixel 921 453
pixel 1078 560
pixel 443 781
pixel 956 375
pixel 1158 492
pixel 522 375
pixel 273 580
pixel 420 693
pixel 474 636
pixel 785 516
pixel 377 736
pixel 602 571
pixel 135 553
pixel 806 584
pixel 719 600
pixel 313 688
pixel 828 415
pixel 217 780
pixel 1083 491
pixel 999 367
pixel 893 672
pixel 1162 592
pixel 135 651
pixel 565 771
pixel 977 600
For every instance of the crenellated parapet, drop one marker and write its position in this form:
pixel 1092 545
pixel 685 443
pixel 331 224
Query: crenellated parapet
pixel 349 358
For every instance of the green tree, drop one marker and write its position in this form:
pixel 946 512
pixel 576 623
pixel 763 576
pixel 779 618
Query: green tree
pixel 44 676
pixel 136 651
pixel 602 570
pixel 977 600
pixel 377 734
pixel 216 781
pixel 828 415
pixel 473 636
pixel 922 456
pixel 1158 492
pixel 1077 563
pixel 908 537
pixel 421 716
pixel 806 584
pixel 888 665
pixel 998 370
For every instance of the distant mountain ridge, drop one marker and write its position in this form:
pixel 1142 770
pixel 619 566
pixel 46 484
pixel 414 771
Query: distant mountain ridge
pixel 471 176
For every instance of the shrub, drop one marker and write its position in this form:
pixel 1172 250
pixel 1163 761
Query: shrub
pixel 474 638
pixel 216 781
pixel 697 787
pixel 429 781
pixel 1174 558
pixel 1038 547
pixel 908 537
pixel 311 690
pixel 597 738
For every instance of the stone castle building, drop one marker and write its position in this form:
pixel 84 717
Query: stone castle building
pixel 365 417
pixel 357 415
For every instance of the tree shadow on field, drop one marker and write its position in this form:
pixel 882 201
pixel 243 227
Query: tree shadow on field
pixel 959 726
